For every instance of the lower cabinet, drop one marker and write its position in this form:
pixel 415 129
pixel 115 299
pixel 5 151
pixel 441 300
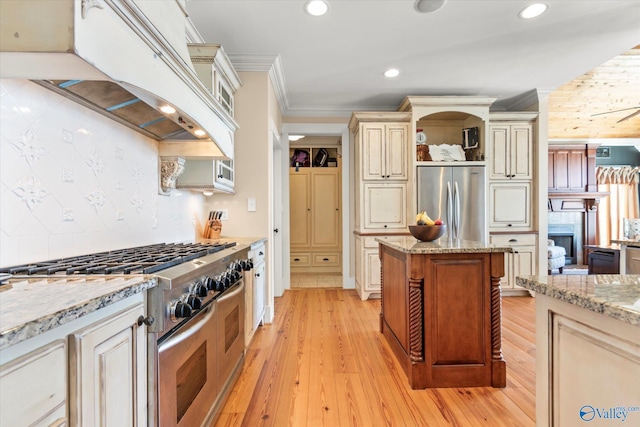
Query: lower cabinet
pixel 520 262
pixel 255 292
pixel 108 381
pixel 33 388
pixel 368 281
pixel 91 371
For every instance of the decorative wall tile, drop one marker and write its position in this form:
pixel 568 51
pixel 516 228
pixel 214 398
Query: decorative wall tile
pixel 96 198
pixel 76 182
pixel 29 147
pixel 95 163
pixel 30 191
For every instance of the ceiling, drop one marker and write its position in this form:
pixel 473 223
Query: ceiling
pixel 332 65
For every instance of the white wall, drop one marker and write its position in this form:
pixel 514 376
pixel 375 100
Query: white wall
pixel 74 182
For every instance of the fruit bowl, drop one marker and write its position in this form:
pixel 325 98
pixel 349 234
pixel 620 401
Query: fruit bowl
pixel 427 233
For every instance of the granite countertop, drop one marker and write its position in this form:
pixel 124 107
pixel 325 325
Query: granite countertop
pixel 250 241
pixel 34 305
pixel 411 245
pixel 627 242
pixel 614 295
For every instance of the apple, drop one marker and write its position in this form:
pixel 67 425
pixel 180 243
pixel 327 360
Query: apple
pixel 438 222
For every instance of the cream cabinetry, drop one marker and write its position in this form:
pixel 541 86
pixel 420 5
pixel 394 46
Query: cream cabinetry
pixel 254 285
pixel 511 151
pixel 34 388
pixel 315 219
pixel 108 379
pixel 384 151
pixel 381 189
pixel 89 371
pixel 520 262
pixel 510 205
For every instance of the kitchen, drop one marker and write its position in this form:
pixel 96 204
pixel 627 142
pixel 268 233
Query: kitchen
pixel 140 215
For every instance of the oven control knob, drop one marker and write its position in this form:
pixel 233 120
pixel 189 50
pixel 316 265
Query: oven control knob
pixel 247 265
pixel 180 310
pixel 219 284
pixel 250 262
pixel 238 266
pixel 194 302
pixel 236 276
pixel 201 289
pixel 227 280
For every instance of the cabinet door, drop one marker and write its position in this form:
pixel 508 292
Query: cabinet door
pixel 300 208
pixel 325 216
pixel 248 307
pixel 567 170
pixel 385 206
pixel 33 388
pixel 108 375
pixel 510 205
pixel 396 151
pixel 373 152
pixel 523 262
pixel 521 155
pixel 259 296
pixel 499 167
pixel 224 173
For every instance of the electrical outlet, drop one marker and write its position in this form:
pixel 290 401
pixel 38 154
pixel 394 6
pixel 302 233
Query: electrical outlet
pixel 225 214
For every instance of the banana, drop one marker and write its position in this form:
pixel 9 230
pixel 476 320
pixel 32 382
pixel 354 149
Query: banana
pixel 423 219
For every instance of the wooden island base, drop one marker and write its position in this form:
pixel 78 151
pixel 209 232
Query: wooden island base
pixel 441 314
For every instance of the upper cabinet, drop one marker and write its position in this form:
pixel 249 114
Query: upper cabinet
pixel 384 151
pixel 512 151
pixel 567 169
pixel 217 73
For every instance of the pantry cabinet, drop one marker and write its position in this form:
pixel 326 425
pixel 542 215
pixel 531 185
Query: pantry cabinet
pixel 520 262
pixel 381 189
pixel 108 379
pixel 315 219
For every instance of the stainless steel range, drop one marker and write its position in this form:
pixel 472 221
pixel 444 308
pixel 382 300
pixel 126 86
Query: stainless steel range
pixel 195 319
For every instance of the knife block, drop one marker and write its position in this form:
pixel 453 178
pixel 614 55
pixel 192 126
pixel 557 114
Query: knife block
pixel 213 229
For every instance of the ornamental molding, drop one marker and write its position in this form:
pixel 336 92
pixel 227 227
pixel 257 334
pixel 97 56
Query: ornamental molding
pixel 170 170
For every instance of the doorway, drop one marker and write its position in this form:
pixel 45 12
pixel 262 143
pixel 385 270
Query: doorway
pixel 315 211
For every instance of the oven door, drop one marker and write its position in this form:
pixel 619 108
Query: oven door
pixel 187 371
pixel 230 332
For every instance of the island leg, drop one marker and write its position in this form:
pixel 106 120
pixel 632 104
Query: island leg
pixel 498 364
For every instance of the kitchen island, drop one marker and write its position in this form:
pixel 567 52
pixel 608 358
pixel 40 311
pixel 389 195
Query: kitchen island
pixel 441 310
pixel 629 255
pixel 587 348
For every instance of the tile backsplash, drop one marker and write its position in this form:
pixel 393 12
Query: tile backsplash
pixel 74 182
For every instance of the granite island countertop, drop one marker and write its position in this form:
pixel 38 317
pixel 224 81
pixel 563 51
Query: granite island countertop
pixel 627 242
pixel 411 245
pixel 614 295
pixel 33 305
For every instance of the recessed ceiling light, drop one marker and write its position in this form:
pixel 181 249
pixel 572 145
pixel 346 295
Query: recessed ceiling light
pixel 428 6
pixel 533 10
pixel 199 132
pixel 295 137
pixel 391 72
pixel 167 109
pixel 316 7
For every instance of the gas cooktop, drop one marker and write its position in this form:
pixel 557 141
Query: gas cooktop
pixel 138 260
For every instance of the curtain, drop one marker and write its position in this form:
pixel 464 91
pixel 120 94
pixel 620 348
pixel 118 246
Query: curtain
pixel 622 185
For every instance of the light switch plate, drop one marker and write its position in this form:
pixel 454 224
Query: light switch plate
pixel 251 204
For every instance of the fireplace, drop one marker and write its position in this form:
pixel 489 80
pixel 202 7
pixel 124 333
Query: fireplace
pixel 563 235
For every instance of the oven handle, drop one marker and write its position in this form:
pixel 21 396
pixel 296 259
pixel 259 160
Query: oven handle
pixel 235 292
pixel 188 329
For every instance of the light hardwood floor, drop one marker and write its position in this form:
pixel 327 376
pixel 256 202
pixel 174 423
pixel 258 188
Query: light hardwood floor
pixel 316 280
pixel 323 362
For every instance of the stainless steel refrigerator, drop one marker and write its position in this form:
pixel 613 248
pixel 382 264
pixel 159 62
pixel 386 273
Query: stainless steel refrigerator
pixel 455 194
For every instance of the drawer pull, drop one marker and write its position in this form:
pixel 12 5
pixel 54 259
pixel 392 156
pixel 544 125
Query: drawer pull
pixel 325 259
pixel 296 259
pixel 513 240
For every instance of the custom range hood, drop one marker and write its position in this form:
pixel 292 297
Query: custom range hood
pixel 125 59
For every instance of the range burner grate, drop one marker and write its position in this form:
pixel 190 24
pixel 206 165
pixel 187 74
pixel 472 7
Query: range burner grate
pixel 138 260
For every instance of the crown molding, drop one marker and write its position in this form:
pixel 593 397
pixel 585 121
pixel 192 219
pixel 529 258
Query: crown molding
pixel 271 64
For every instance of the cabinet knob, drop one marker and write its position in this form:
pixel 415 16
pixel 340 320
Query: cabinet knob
pixel 146 320
pixel 257 274
pixel 385 226
pixel 220 176
pixel 509 225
